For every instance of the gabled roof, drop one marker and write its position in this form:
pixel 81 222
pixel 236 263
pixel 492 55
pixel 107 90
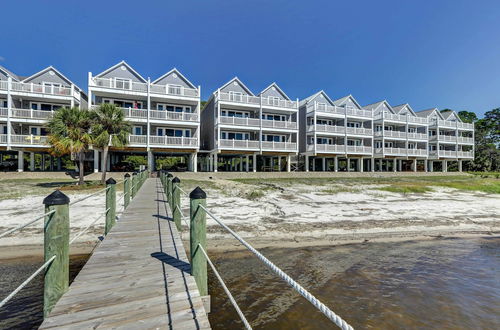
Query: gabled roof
pixel 50 68
pixel 376 105
pixel 174 70
pixel 277 87
pixel 450 113
pixel 398 108
pixel 312 97
pixel 428 112
pixel 239 82
pixel 117 65
pixel 9 73
pixel 342 101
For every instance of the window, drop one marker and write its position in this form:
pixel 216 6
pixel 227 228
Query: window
pixel 324 122
pixel 52 88
pixel 34 130
pixel 378 144
pixel 238 114
pixel 3 103
pixel 273 100
pixel 124 104
pixel 235 136
pixel 176 132
pixel 388 144
pixel 324 141
pixel 160 131
pixel 412 130
pixel 273 117
pixel 378 128
pixel 123 83
pixel 174 89
pixel 273 138
pixel 432 133
pixel 389 128
pixel 4 129
pixel 353 142
pixel 45 106
pixel 160 107
pixel 137 130
pixel 321 106
pixel 412 146
pixel 235 96
pixel 354 124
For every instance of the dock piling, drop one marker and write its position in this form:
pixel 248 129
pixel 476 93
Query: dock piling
pixel 126 190
pixel 176 201
pixel 110 205
pixel 198 237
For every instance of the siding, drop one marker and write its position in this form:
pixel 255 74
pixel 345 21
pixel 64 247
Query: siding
pixel 122 71
pixel 174 78
pixel 207 126
pixel 48 77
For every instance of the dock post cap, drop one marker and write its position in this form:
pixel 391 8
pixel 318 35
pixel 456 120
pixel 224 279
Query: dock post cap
pixel 110 181
pixel 56 198
pixel 169 175
pixel 176 180
pixel 127 175
pixel 198 193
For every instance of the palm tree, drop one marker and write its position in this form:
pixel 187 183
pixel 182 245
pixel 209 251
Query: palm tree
pixel 109 128
pixel 69 133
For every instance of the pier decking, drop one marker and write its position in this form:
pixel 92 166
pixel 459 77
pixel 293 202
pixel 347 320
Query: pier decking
pixel 138 277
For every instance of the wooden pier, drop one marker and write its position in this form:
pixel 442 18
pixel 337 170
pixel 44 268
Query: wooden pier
pixel 138 277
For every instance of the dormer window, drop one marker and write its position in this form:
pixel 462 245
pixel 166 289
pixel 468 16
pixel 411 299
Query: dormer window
pixel 235 96
pixel 273 100
pixel 174 89
pixel 123 83
pixel 52 88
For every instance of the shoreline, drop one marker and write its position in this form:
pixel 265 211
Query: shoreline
pixel 232 245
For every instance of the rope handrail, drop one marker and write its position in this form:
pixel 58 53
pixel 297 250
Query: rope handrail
pixel 13 293
pixel 224 286
pixel 90 225
pixel 182 215
pixel 26 224
pixel 182 191
pixel 88 196
pixel 301 290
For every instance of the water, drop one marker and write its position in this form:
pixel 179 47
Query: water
pixel 438 284
pixel 25 310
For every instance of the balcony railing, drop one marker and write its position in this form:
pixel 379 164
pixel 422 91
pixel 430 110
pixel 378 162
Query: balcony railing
pixel 15 139
pixel 41 89
pixel 465 125
pixel 391 151
pixel 417 152
pixel 417 136
pixel 451 154
pixel 418 120
pixel 279 124
pixel 4 85
pixel 452 124
pixel 359 113
pixel 167 141
pixel 174 90
pixel 359 131
pixel 238 144
pixel 325 108
pixel 274 146
pixel 334 148
pixel 444 138
pixel 120 84
pixel 401 118
pixel 238 121
pixel 326 128
pixel 31 114
pixel 239 98
pixel 358 150
pixel 279 103
pixel 170 115
pixel 4 112
pixel 394 134
pixel 463 139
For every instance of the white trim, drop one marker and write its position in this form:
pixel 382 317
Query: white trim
pixel 278 88
pixel 117 65
pixel 179 73
pixel 240 82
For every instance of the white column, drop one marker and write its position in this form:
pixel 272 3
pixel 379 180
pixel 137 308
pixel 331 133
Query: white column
pixel 96 161
pixel 426 169
pixel 395 165
pixel 215 162
pixel 241 163
pixel 148 130
pixel 380 165
pixel 254 163
pixel 444 165
pixel 307 163
pixel 323 164
pixel 9 111
pixel 373 164
pixel 32 161
pixel 314 164
pixel 288 163
pixel 400 166
pixel 20 161
pixel 210 163
pixel 460 166
pixel 247 165
pixel 414 165
pixel 108 162
pixel 194 162
pixel 279 163
pixel 361 161
pixel 348 165
pixel 151 161
pixel 431 166
pixel 336 163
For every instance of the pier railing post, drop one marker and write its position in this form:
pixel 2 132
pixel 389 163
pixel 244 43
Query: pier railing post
pixel 56 243
pixel 126 191
pixel 198 237
pixel 176 201
pixel 135 182
pixel 165 190
pixel 110 205
pixel 169 189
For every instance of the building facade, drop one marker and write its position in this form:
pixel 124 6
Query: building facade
pixel 242 131
pixel 164 114
pixel 26 103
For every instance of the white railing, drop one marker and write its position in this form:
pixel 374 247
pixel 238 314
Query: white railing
pixel 173 90
pixel 417 152
pixel 447 138
pixel 238 144
pixel 135 113
pixel 137 139
pixel 359 131
pixel 279 124
pixel 238 121
pixel 163 140
pixel 465 154
pixel 170 115
pixel 4 112
pixel 120 84
pixel 278 103
pixel 28 140
pixel 31 114
pixel 337 148
pixel 463 139
pixel 41 89
pixel 359 149
pixel 392 151
pixel 451 153
pixel 3 138
pixel 321 107
pixel 465 125
pixel 289 146
pixel 239 98
pixel 395 134
pixel 391 117
pixel 4 85
pixel 326 128
pixel 359 113
pixel 417 136
pixel 418 120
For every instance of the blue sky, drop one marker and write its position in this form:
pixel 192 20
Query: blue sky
pixel 427 53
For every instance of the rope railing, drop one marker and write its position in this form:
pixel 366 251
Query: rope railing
pixel 88 226
pixel 10 231
pixel 182 215
pixel 26 282
pixel 224 286
pixel 88 196
pixel 301 290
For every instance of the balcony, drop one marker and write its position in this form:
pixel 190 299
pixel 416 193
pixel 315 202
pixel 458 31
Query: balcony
pixel 173 90
pixel 324 108
pixel 277 103
pixel 359 150
pixel 279 124
pixel 451 154
pixel 465 140
pixel 359 113
pixel 326 129
pixel 119 84
pixel 444 138
pixel 417 136
pixel 279 146
pixel 330 148
pixel 163 141
pixel 417 152
pixel 452 124
pixel 393 134
pixel 391 151
pixel 401 118
pixel 25 140
pixel 239 98
pixel 238 121
pixel 239 144
pixel 466 126
pixel 175 116
pixel 359 131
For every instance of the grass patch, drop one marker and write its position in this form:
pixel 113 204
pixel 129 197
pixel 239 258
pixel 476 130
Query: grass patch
pixel 255 194
pixel 339 189
pixel 401 189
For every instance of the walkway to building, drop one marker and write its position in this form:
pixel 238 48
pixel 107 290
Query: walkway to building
pixel 138 277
